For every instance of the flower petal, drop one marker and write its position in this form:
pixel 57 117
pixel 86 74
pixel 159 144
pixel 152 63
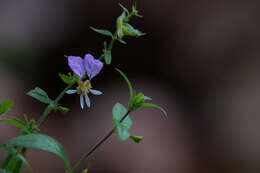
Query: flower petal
pixel 76 65
pixel 92 66
pixel 81 101
pixel 95 92
pixel 87 100
pixel 71 91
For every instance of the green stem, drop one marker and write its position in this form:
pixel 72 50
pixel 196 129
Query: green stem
pixel 95 147
pixel 49 108
pixel 111 44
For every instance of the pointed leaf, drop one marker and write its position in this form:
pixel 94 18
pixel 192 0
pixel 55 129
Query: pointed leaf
pixel 131 31
pixel 40 95
pixel 4 106
pixel 136 139
pixel 108 56
pixel 154 106
pixel 66 79
pixel 102 31
pixel 42 142
pixel 128 83
pixel 125 9
pixel 14 121
pixel 15 153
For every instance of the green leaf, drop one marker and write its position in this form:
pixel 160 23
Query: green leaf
pixel 63 109
pixel 14 121
pixel 121 41
pixel 128 83
pixel 40 95
pixel 119 111
pixel 102 31
pixel 15 153
pixel 4 171
pixel 108 56
pixel 154 106
pixel 136 139
pixel 42 142
pixel 147 98
pixel 4 106
pixel 125 9
pixel 131 31
pixel 66 79
pixel 85 171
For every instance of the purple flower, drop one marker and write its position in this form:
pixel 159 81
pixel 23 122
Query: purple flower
pixel 89 65
pixel 80 66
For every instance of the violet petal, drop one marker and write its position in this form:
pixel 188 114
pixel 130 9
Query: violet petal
pixel 92 66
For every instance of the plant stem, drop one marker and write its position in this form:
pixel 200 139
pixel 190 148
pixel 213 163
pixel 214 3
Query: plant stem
pixel 95 147
pixel 111 44
pixel 49 108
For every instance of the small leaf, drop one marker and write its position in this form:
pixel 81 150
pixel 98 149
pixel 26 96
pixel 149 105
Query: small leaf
pixel 108 56
pixel 63 109
pixel 131 31
pixel 42 142
pixel 136 139
pixel 14 121
pixel 125 9
pixel 102 31
pixel 4 106
pixel 40 95
pixel 66 79
pixel 85 171
pixel 119 111
pixel 147 98
pixel 154 106
pixel 15 153
pixel 121 41
pixel 128 83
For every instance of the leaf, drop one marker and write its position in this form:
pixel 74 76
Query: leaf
pixel 4 106
pixel 42 142
pixel 119 111
pixel 102 31
pixel 136 139
pixel 131 31
pixel 14 121
pixel 147 98
pixel 15 153
pixel 40 95
pixel 125 9
pixel 121 41
pixel 63 109
pixel 85 171
pixel 119 26
pixel 4 171
pixel 128 83
pixel 108 56
pixel 66 79
pixel 154 106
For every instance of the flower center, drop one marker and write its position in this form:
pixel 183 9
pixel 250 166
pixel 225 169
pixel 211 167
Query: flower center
pixel 84 87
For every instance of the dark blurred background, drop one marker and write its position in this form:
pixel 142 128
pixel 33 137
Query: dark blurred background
pixel 199 60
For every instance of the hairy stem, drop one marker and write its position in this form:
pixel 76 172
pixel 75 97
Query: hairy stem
pixel 95 147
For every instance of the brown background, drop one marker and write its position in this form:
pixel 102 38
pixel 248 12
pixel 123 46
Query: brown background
pixel 199 60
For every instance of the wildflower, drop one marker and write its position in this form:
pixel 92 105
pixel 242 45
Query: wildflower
pixel 80 66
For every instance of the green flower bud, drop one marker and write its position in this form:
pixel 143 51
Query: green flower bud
pixel 119 23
